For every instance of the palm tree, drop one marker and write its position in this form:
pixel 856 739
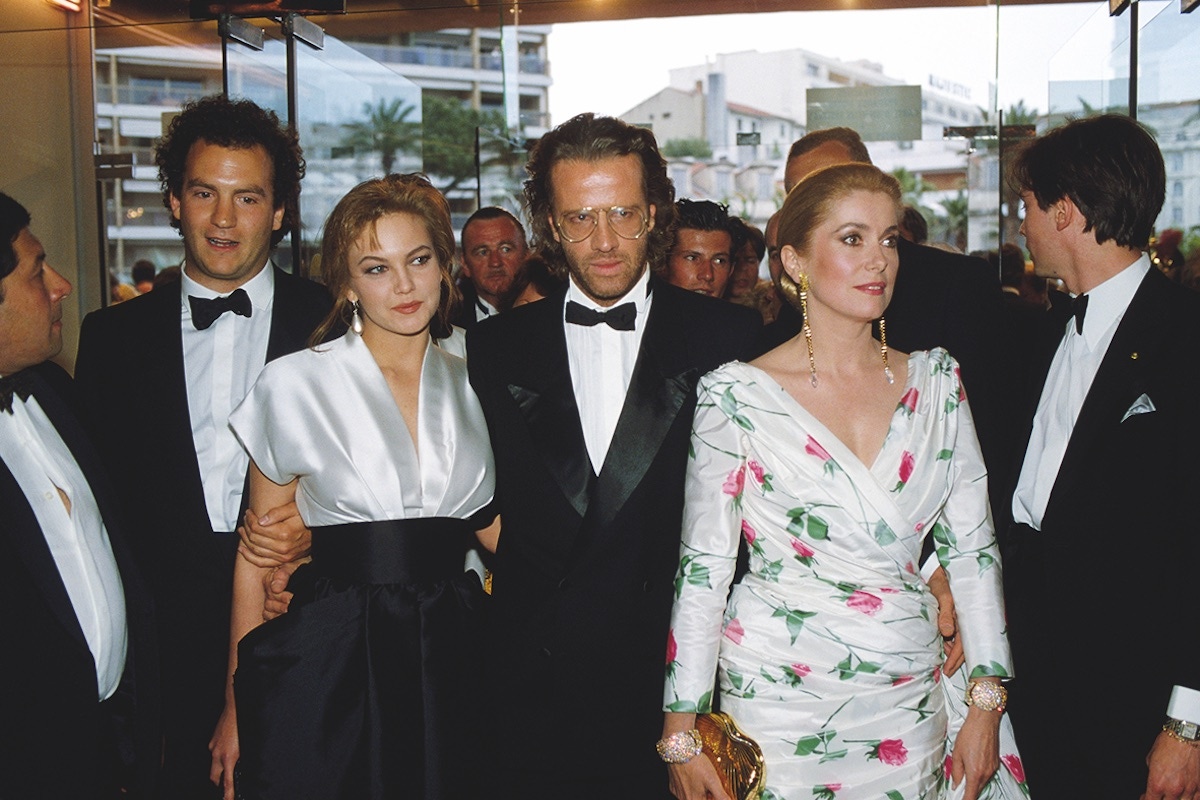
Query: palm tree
pixel 958 211
pixel 912 187
pixel 387 131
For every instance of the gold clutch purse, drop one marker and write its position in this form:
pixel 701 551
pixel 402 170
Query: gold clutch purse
pixel 737 757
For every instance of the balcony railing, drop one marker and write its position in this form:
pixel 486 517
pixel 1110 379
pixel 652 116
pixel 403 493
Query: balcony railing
pixel 445 57
pixel 164 94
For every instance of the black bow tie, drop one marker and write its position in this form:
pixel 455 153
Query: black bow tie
pixel 1078 310
pixel 206 312
pixel 619 318
pixel 17 384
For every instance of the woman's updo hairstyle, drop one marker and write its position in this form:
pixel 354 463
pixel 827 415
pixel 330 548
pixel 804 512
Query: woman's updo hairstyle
pixel 812 199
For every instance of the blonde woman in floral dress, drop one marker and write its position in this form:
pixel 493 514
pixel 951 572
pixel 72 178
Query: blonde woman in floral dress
pixel 834 457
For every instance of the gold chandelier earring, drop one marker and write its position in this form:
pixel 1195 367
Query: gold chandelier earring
pixel 812 361
pixel 887 371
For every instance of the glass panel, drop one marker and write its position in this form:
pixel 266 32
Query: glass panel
pixel 357 119
pixel 144 73
pixel 483 93
pixel 260 75
pixel 1169 105
pixel 1090 73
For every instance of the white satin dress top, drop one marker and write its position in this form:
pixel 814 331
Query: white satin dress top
pixel 327 417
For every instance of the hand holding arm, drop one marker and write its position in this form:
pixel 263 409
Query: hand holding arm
pixel 276 537
pixel 939 586
pixel 275 587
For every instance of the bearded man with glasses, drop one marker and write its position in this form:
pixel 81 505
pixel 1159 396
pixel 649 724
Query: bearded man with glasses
pixel 589 398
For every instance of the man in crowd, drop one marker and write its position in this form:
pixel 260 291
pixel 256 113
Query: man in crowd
pixel 175 363
pixel 493 263
pixel 1104 528
pixel 142 275
pixel 701 257
pixel 78 700
pixel 589 397
pixel 913 226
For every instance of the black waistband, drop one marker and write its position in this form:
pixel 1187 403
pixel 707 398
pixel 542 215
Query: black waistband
pixel 423 550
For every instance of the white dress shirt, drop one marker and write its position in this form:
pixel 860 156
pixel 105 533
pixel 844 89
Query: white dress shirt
pixel 221 363
pixel 1072 371
pixel 42 464
pixel 602 361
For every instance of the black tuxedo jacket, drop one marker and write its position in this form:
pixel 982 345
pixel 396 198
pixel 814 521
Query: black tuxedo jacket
pixel 131 377
pixel 583 577
pixel 1101 601
pixel 50 716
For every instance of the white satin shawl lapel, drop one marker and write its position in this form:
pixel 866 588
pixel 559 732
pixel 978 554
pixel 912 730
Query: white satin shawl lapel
pixel 457 468
pixel 391 465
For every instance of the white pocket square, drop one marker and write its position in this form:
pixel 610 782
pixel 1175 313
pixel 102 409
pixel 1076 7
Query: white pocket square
pixel 1143 405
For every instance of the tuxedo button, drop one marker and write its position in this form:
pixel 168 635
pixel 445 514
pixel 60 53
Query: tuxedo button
pixel 562 584
pixel 546 652
pixel 647 586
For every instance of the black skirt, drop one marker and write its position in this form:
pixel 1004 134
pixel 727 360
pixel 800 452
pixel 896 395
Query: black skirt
pixel 369 686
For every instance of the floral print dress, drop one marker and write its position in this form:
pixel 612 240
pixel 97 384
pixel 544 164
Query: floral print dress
pixel 828 651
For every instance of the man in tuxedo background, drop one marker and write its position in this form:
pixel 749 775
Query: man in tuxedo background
pixel 1103 523
pixel 78 693
pixel 493 265
pixel 701 257
pixel 589 397
pixel 175 362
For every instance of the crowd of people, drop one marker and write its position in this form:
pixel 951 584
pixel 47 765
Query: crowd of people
pixel 892 518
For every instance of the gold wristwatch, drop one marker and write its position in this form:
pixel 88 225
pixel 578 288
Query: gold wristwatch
pixel 987 695
pixel 1187 732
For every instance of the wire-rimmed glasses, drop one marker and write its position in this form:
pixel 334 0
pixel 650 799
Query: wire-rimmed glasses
pixel 628 222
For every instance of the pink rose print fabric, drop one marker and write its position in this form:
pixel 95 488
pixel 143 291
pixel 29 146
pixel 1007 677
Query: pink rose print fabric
pixel 827 651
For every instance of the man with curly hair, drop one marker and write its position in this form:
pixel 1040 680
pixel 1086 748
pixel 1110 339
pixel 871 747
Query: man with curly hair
pixel 175 363
pixel 589 396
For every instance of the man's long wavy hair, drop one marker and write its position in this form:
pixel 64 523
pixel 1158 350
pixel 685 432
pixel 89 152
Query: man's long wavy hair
pixel 588 137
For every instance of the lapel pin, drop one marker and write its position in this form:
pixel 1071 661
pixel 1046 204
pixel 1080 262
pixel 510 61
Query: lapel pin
pixel 1133 356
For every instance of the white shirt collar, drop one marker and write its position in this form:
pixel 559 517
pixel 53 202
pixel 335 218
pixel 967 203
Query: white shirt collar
pixel 1107 302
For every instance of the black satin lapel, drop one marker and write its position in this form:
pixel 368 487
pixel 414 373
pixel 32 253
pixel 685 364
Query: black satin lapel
pixel 658 389
pixel 546 398
pixel 166 381
pixel 283 338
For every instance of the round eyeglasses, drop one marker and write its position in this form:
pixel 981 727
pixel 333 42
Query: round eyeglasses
pixel 626 222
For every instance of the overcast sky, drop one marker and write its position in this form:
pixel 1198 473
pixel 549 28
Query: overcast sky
pixel 608 67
